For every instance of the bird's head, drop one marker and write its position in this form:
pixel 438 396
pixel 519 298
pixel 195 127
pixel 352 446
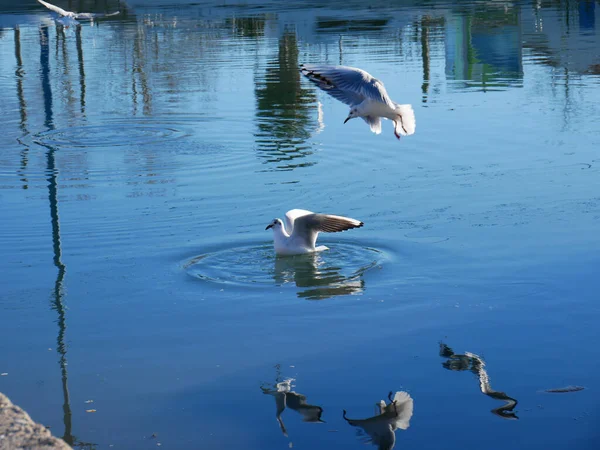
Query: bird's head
pixel 353 113
pixel 275 224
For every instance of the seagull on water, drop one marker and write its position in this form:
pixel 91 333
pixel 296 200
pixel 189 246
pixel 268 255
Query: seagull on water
pixel 73 15
pixel 365 95
pixel 299 234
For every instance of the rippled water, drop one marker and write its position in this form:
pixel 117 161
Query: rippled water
pixel 314 276
pixel 142 156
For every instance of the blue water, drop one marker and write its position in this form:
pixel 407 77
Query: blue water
pixel 142 156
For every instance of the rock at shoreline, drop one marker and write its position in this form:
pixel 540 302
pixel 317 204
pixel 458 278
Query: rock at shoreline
pixel 19 432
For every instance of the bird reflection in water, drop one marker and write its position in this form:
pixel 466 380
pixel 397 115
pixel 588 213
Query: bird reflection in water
pixel 285 397
pixel 381 428
pixel 474 363
pixel 320 279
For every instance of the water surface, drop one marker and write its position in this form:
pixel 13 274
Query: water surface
pixel 142 157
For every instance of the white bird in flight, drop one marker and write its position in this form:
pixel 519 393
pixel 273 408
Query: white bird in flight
pixel 299 234
pixel 365 95
pixel 73 15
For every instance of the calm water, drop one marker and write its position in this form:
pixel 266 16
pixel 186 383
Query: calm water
pixel 142 157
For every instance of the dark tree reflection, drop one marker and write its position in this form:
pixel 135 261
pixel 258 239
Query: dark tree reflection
pixel 247 27
pixel 284 109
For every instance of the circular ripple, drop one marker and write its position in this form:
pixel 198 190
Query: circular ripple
pixel 110 135
pixel 336 271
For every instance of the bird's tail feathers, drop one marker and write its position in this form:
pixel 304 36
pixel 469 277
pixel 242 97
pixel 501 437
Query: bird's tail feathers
pixel 407 124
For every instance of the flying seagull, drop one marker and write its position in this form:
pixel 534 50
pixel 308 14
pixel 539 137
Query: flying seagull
pixel 365 95
pixel 299 234
pixel 73 15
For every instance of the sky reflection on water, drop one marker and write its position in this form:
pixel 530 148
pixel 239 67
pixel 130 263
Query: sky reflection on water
pixel 176 129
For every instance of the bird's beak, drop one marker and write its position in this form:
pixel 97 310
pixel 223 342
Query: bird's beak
pixel 347 119
pixel 269 226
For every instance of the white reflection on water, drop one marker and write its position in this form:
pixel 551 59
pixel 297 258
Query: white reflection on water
pixel 286 397
pixel 381 428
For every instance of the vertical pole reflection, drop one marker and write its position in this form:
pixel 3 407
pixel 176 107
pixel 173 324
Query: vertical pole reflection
pixel 45 77
pixel 567 107
pixel 425 56
pixel 79 45
pixel 139 73
pixel 19 73
pixel 57 294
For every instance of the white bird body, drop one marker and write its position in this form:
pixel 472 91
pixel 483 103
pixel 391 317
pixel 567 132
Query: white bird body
pixel 299 234
pixel 366 96
pixel 73 15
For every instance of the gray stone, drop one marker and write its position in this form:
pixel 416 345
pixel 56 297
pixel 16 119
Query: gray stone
pixel 19 432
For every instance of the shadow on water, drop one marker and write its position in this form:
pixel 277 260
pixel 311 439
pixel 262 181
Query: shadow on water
pixel 380 429
pixel 57 303
pixel 283 110
pixel 286 398
pixel 472 362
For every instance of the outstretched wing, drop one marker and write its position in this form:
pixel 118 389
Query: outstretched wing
pixel 378 430
pixel 291 216
pixel 54 8
pixel 92 16
pixel 402 406
pixel 349 85
pixel 80 16
pixel 307 227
